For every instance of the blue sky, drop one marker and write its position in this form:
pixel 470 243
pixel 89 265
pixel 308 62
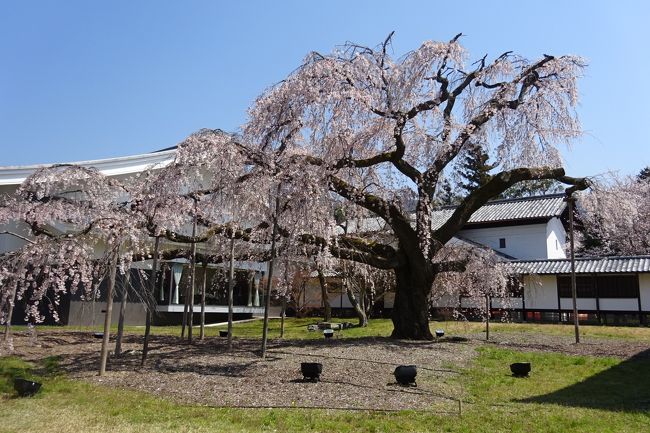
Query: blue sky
pixel 86 80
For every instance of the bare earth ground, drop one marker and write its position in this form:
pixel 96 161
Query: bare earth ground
pixel 618 348
pixel 357 373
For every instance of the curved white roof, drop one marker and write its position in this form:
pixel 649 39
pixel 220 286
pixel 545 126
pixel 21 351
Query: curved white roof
pixel 15 175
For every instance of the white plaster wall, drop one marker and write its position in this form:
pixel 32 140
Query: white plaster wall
pixel 540 292
pixel 340 300
pixel 88 314
pixel 472 302
pixel 555 239
pixel 522 242
pixel 389 300
pixel 312 296
pixel 582 303
pixel 644 290
pixel 629 304
pixel 313 299
pixel 449 301
pixel 9 242
pixel 507 303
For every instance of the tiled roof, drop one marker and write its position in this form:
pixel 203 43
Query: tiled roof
pixel 473 244
pixel 546 206
pixel 584 265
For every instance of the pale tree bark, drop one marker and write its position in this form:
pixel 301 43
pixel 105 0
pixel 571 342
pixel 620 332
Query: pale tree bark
pixel 327 308
pixel 10 312
pixel 231 287
pixel 267 300
pixel 191 290
pixel 150 301
pixel 185 311
pixel 203 287
pixel 109 311
pixel 188 308
pixel 358 308
pixel 120 323
pixel 487 317
pixel 282 315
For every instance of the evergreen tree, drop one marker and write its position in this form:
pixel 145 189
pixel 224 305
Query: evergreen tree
pixel 644 174
pixel 446 194
pixel 474 168
pixel 532 187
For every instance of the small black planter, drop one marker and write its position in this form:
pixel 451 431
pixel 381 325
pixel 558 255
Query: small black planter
pixel 405 374
pixel 25 387
pixel 223 333
pixel 311 370
pixel 520 369
pixel 328 333
pixel 98 334
pixel 440 333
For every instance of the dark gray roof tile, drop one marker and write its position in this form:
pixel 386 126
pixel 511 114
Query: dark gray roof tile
pixel 540 207
pixel 599 265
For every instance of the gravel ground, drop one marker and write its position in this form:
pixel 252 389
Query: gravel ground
pixel 564 344
pixel 357 373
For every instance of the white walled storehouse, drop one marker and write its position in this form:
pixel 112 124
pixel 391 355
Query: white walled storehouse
pixel 530 234
pixel 524 228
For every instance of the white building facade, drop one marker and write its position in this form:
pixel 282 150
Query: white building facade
pixel 172 277
pixel 530 234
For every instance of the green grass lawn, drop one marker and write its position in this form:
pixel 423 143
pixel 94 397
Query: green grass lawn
pixel 297 329
pixel 563 394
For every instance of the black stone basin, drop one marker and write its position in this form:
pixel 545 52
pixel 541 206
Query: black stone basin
pixel 405 374
pixel 520 369
pixel 25 387
pixel 311 370
pixel 440 333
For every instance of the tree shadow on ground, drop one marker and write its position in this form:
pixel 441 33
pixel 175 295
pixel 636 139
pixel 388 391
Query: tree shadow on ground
pixel 624 387
pixel 169 354
pixel 367 341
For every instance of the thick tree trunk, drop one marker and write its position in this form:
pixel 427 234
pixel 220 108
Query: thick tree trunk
pixel 327 308
pixel 411 307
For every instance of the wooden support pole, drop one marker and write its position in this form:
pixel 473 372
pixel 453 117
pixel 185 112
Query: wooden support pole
pixel 267 300
pixel 109 311
pixel 576 324
pixel 203 287
pixel 150 298
pixel 231 287
pixel 487 317
pixel 120 323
